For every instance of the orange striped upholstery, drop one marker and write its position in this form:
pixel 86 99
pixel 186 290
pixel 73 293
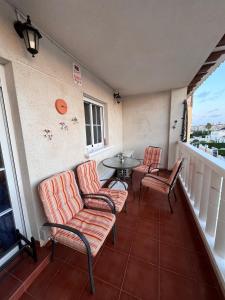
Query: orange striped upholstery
pixel 152 155
pixel 63 205
pixel 155 184
pixel 118 196
pixel 144 169
pixel 95 226
pixel 174 171
pixel 89 183
pixel 60 198
pixel 88 177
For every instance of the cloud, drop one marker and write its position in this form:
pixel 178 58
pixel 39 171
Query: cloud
pixel 213 110
pixel 207 96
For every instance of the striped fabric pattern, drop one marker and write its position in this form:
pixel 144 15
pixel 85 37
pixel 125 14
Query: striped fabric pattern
pixel 88 177
pixel 118 196
pixel 155 184
pixel 152 155
pixel 95 226
pixel 60 198
pixel 144 169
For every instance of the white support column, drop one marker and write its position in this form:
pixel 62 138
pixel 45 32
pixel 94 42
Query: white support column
pixel 205 193
pixel 187 163
pixel 213 205
pixel 193 182
pixel 220 231
pixel 198 184
pixel 190 177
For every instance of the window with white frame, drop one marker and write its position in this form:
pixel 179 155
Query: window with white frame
pixel 94 124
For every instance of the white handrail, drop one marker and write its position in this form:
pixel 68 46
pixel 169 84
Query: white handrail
pixel 203 180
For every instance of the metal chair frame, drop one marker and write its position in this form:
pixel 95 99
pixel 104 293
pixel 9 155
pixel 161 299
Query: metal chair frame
pixel 171 186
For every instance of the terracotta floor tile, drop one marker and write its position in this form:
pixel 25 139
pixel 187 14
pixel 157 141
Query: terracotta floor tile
pixel 149 228
pixel 175 287
pixel 8 285
pixel 42 282
pixel 127 221
pixel 141 280
pixel 26 296
pixel 110 266
pixel 176 259
pixel 203 271
pixel 123 240
pixel 145 248
pixel 68 283
pixel 205 292
pixel 103 292
pixel 125 296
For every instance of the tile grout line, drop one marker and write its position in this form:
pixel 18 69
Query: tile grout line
pixel 127 262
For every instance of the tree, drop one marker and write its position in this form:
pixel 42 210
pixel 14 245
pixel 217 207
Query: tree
pixel 208 126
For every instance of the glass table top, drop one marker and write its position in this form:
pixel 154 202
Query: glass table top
pixel 117 163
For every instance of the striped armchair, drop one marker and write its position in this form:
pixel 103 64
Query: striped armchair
pixel 91 189
pixel 161 184
pixel 151 161
pixel 84 230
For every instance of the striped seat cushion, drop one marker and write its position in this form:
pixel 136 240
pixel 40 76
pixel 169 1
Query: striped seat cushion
pixel 144 169
pixel 152 155
pixel 118 197
pixel 88 177
pixel 95 226
pixel 153 183
pixel 60 197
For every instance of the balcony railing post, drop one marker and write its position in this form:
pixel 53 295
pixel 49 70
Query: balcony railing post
pixel 220 230
pixel 198 184
pixel 205 193
pixel 213 204
pixel 193 179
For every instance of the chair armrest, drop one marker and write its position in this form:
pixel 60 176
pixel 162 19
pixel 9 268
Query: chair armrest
pixel 102 197
pixel 73 230
pixel 156 178
pixel 153 166
pixel 118 179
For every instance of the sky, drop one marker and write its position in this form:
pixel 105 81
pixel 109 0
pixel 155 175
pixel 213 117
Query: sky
pixel 209 99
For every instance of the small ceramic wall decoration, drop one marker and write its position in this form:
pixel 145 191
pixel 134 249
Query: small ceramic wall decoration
pixel 61 106
pixel 74 120
pixel 63 126
pixel 48 134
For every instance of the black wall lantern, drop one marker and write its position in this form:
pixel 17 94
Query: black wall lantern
pixel 30 35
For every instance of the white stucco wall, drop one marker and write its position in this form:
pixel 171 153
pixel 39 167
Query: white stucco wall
pixel 149 120
pixel 146 122
pixel 38 82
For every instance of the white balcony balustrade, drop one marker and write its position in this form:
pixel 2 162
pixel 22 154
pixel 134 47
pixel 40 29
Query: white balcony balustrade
pixel 203 181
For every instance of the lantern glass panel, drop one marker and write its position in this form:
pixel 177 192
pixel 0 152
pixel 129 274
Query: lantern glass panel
pixel 31 35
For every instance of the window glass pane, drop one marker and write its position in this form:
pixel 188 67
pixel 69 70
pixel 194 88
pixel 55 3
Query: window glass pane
pixel 87 112
pixel 7 232
pixel 88 135
pixel 99 115
pixel 4 194
pixel 99 134
pixel 94 108
pixel 95 134
pixel 1 159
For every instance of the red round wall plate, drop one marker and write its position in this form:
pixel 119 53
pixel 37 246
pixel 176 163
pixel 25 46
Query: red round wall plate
pixel 61 106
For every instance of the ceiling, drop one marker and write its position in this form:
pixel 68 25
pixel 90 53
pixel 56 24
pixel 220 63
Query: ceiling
pixel 136 46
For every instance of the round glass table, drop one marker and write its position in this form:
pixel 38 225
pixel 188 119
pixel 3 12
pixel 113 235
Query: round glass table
pixel 121 164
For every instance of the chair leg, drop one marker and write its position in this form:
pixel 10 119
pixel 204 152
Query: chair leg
pixel 114 234
pixel 171 210
pixel 175 195
pixel 52 249
pixel 90 272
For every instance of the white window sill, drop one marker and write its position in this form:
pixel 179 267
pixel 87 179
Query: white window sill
pixel 98 151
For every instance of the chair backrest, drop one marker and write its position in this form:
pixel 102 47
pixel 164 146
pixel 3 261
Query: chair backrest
pixel 88 177
pixel 60 197
pixel 175 172
pixel 152 155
